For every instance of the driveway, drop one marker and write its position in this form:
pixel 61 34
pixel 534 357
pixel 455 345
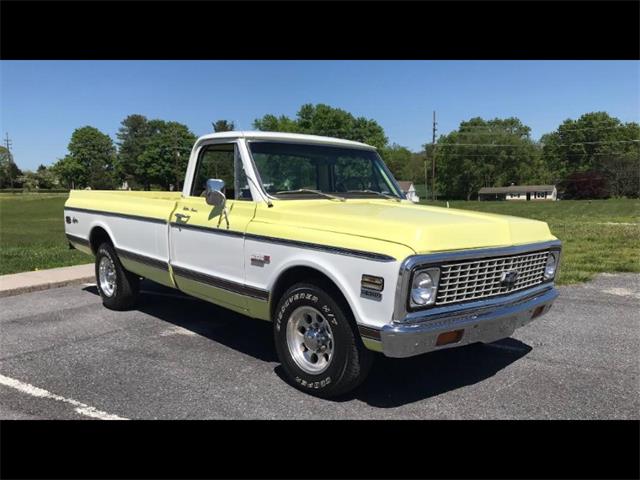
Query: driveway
pixel 63 356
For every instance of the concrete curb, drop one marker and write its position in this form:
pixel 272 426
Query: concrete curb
pixel 17 283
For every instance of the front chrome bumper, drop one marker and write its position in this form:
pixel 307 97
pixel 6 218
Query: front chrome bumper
pixel 483 324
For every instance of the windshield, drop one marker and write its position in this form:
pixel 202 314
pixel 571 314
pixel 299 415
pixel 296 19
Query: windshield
pixel 294 170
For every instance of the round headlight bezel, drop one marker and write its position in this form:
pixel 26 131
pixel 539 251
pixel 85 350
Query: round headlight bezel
pixel 552 261
pixel 424 288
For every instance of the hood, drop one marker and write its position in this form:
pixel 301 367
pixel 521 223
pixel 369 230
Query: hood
pixel 419 227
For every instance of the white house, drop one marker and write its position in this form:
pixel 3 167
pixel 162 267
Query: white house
pixel 519 192
pixel 410 191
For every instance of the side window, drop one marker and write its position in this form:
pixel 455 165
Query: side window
pixel 223 162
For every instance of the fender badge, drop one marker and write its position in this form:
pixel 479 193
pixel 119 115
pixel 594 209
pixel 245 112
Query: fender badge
pixel 370 294
pixel 260 260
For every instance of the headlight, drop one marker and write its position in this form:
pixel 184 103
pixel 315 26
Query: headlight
pixel 550 267
pixel 424 287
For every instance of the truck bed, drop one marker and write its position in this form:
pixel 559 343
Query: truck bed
pixel 135 221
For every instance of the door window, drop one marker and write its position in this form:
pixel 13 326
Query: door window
pixel 221 161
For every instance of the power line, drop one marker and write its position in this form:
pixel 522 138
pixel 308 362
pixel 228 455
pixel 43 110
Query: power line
pixel 488 127
pixel 530 145
pixel 521 155
pixel 507 132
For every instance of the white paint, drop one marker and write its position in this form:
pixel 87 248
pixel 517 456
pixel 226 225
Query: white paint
pixel 81 408
pixel 228 257
pixel 621 292
pixel 177 331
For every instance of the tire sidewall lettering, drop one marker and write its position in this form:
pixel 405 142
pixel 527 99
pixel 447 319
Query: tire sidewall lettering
pixel 287 306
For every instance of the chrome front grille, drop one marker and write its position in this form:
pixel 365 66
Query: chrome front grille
pixel 472 280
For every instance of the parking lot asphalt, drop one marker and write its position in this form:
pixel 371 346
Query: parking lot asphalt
pixel 63 356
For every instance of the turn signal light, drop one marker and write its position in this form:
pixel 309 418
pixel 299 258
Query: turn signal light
pixel 449 337
pixel 372 282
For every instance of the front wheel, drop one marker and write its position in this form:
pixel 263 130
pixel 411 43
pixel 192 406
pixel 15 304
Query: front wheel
pixel 317 342
pixel 117 287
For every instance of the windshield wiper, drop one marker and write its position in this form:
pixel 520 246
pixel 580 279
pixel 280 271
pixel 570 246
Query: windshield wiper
pixel 391 197
pixel 308 190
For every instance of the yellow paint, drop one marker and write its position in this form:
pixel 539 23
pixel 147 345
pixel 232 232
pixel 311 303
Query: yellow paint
pixel 239 303
pixel 382 226
pixel 239 214
pixel 393 228
pixel 371 344
pixel 147 271
pixel 82 248
pixel 158 205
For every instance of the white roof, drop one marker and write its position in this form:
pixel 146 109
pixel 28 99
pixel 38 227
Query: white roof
pixel 291 137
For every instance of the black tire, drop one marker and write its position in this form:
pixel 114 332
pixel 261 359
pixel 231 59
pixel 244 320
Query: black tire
pixel 126 285
pixel 351 360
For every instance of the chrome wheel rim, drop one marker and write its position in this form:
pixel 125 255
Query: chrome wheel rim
pixel 107 276
pixel 310 340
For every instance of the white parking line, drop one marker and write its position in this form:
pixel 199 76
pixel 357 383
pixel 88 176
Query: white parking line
pixel 80 407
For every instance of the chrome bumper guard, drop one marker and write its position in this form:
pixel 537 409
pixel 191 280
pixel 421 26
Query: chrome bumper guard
pixel 479 324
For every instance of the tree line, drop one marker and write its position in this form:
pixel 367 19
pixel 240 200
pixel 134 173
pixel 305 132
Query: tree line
pixel 594 156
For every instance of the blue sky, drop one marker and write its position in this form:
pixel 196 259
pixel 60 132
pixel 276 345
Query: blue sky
pixel 42 102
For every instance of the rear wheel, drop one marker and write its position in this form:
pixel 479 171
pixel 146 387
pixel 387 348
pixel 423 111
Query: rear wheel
pixel 117 287
pixel 317 342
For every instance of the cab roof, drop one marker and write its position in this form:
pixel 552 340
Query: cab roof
pixel 291 137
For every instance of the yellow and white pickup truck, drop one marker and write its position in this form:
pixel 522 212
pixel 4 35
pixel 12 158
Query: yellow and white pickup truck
pixel 314 234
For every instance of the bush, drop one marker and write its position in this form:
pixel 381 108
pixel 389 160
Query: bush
pixel 585 185
pixel 35 190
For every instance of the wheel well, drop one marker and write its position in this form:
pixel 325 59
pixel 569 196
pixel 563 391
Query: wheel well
pixel 97 237
pixel 295 275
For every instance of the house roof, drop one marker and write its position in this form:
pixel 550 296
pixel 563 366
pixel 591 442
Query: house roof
pixel 405 185
pixel 517 189
pixel 292 137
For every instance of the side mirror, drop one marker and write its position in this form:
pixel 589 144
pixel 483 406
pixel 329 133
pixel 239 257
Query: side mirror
pixel 214 195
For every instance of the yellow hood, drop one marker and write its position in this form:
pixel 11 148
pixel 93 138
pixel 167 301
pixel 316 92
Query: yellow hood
pixel 419 227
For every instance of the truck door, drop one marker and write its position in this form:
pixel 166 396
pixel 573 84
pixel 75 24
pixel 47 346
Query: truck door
pixel 206 246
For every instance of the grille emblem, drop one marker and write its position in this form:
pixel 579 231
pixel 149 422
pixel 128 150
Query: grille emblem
pixel 508 279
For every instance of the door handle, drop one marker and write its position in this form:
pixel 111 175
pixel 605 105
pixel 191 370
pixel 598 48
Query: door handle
pixel 182 217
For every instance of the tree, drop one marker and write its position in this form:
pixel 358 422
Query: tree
pixel 223 126
pixel 45 177
pixel 584 185
pixel 485 153
pixel 90 161
pixel 154 152
pixel 133 138
pixel 9 171
pixel 166 155
pixel 322 119
pixel 70 172
pixel 398 159
pixel 596 142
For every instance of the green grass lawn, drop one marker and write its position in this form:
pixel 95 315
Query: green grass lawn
pixel 32 233
pixel 598 236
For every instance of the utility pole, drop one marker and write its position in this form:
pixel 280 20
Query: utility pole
pixel 7 144
pixel 433 159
